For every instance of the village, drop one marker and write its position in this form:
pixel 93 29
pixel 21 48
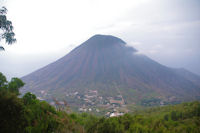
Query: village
pixel 93 102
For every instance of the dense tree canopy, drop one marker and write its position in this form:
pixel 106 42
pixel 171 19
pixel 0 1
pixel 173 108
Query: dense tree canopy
pixel 6 28
pixel 30 115
pixel 13 86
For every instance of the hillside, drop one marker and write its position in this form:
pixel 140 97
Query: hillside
pixel 27 114
pixel 182 118
pixel 104 72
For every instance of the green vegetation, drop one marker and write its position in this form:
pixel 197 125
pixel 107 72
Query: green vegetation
pixel 6 28
pixel 30 115
pixel 182 118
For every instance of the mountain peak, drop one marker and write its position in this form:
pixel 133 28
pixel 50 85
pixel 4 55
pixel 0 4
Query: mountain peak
pixel 107 37
pixel 104 40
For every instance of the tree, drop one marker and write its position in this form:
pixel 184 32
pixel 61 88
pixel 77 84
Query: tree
pixel 6 28
pixel 3 81
pixel 12 111
pixel 29 98
pixel 13 86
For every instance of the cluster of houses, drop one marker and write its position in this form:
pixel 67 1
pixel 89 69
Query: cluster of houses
pixel 93 102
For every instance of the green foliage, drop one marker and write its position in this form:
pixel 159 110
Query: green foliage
pixel 12 119
pixel 3 81
pixel 40 116
pixel 30 115
pixel 150 102
pixel 6 28
pixel 29 98
pixel 13 86
pixel 182 118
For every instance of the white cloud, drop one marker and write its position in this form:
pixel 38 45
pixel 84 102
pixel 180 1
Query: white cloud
pixel 135 44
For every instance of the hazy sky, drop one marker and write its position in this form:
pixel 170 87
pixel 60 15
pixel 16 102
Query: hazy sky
pixel 167 31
